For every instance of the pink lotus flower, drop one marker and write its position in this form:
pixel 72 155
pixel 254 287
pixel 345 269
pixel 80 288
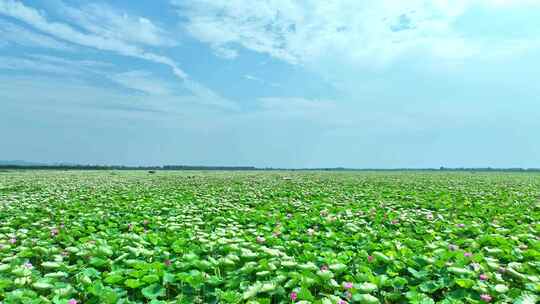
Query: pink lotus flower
pixel 486 298
pixel 394 222
pixel 13 240
pixel 167 262
pixel 260 239
pixel 342 301
pixel 72 301
pixel 461 225
pixel 54 232
pixel 370 258
pixel 348 285
pixel 28 265
pixel 294 296
pixel 467 254
pixel 483 277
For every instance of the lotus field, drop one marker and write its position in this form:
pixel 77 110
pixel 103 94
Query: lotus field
pixel 269 237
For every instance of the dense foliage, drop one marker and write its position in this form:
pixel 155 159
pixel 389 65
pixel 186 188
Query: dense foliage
pixel 269 237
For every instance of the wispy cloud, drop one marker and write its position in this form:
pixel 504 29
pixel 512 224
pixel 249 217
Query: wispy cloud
pixel 63 31
pixel 160 89
pixel 73 63
pixel 54 65
pixel 366 33
pixel 28 64
pixel 76 99
pixel 209 97
pixel 260 80
pixel 142 81
pixel 14 34
pixel 251 77
pixel 104 28
pixel 225 52
pixel 109 22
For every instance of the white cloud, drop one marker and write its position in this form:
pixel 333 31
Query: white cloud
pixel 226 53
pixel 372 33
pixel 251 77
pixel 107 30
pixel 11 33
pixel 106 21
pixel 38 20
pixel 77 64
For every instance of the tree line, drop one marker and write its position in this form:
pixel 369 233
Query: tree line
pixel 246 168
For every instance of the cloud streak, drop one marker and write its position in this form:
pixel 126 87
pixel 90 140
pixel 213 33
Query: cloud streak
pixel 58 66
pixel 142 81
pixel 14 34
pixel 108 30
pixel 106 21
pixel 28 64
pixel 65 32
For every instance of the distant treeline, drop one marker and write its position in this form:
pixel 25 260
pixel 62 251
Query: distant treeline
pixel 103 167
pixel 246 168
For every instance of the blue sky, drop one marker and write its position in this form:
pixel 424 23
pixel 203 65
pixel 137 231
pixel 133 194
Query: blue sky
pixel 276 83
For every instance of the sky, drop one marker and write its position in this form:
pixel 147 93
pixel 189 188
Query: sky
pixel 271 83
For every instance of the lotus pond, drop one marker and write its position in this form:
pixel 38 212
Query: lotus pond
pixel 269 237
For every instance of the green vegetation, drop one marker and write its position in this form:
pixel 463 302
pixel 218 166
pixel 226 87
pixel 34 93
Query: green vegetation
pixel 269 237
